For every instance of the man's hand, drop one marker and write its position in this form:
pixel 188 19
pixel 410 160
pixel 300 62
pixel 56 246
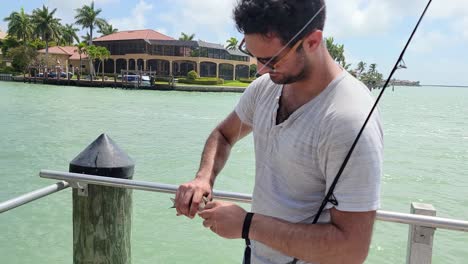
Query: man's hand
pixel 190 195
pixel 224 219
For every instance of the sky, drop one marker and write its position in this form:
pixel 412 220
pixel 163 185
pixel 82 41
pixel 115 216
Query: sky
pixel 373 31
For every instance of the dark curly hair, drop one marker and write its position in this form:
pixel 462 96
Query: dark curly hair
pixel 285 18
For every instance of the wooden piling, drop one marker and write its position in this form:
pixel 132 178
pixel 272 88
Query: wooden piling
pixel 102 215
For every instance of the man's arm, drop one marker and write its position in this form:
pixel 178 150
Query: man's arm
pixel 345 240
pixel 214 157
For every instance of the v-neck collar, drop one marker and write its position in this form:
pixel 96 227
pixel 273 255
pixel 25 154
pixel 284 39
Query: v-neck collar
pixel 298 112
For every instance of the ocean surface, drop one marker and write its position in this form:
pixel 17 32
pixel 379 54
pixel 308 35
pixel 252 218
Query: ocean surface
pixel 45 127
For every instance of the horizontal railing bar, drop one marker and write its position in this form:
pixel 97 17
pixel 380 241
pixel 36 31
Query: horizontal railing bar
pixel 403 218
pixel 34 195
pixel 137 185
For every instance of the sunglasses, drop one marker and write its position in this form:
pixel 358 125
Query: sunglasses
pixel 270 62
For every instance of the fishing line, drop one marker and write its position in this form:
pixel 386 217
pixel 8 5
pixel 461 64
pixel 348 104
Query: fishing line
pixel 329 197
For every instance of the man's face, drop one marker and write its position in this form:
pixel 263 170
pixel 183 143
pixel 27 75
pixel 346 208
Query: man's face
pixel 284 64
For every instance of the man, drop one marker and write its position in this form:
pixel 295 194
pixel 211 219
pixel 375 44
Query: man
pixel 305 112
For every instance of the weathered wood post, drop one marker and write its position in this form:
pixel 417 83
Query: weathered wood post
pixel 420 238
pixel 102 215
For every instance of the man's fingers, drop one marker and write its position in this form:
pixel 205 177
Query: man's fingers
pixel 207 223
pixel 210 205
pixel 184 202
pixel 197 197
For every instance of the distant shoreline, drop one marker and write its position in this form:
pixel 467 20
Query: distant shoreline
pixel 445 85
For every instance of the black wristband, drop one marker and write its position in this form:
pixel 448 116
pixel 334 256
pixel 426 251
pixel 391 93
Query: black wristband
pixel 246 226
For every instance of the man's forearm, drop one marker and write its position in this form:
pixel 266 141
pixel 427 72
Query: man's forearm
pixel 320 243
pixel 214 157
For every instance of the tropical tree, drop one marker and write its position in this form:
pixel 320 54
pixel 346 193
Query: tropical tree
pixel 361 67
pixel 87 17
pixel 19 25
pixel 86 38
pixel 81 49
pixel 69 35
pixel 46 25
pixel 232 43
pixel 186 37
pixel 337 52
pixel 98 53
pixel 21 57
pixel 253 70
pixel 372 78
pixel 107 29
pixel 8 43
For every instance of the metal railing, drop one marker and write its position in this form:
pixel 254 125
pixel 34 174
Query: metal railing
pixel 84 179
pixel 29 197
pixel 422 220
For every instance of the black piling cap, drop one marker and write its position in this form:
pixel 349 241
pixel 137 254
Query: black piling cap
pixel 104 158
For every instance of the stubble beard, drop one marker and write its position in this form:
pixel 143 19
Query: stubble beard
pixel 289 79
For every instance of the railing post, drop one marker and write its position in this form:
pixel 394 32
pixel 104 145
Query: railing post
pixel 420 238
pixel 102 215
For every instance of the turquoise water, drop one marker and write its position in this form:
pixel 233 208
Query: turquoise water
pixel 45 127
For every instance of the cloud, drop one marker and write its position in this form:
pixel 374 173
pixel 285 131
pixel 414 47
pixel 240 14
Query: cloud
pixel 353 18
pixel 428 41
pixel 210 20
pixel 137 18
pixel 66 10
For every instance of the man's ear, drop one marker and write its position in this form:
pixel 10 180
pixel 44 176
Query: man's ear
pixel 313 41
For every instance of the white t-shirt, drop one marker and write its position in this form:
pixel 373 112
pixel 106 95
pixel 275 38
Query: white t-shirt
pixel 297 160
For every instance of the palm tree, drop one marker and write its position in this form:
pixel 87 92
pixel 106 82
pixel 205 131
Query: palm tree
pixel 87 17
pixel 19 25
pixel 373 68
pixel 69 34
pixel 186 37
pixel 46 25
pixel 107 29
pixel 86 38
pixel 232 43
pixel 81 48
pixel 361 67
pixel 98 53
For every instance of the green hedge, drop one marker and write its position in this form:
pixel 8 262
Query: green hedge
pixel 8 70
pixel 162 79
pixel 202 81
pixel 245 80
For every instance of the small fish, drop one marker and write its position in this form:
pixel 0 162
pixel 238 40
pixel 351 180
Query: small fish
pixel 201 206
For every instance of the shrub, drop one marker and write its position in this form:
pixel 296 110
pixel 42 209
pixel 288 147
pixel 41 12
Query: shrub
pixel 202 81
pixel 162 79
pixel 245 80
pixel 192 75
pixel 8 70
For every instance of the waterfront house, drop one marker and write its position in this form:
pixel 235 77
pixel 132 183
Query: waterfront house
pixel 66 59
pixel 149 50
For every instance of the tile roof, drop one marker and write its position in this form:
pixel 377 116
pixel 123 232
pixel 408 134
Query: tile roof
pixel 65 50
pixel 204 44
pixel 236 52
pixel 146 34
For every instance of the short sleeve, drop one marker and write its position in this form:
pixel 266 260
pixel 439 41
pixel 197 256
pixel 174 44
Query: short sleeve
pixel 245 109
pixel 358 189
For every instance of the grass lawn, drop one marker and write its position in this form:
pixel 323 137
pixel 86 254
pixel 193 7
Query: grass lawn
pixel 235 84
